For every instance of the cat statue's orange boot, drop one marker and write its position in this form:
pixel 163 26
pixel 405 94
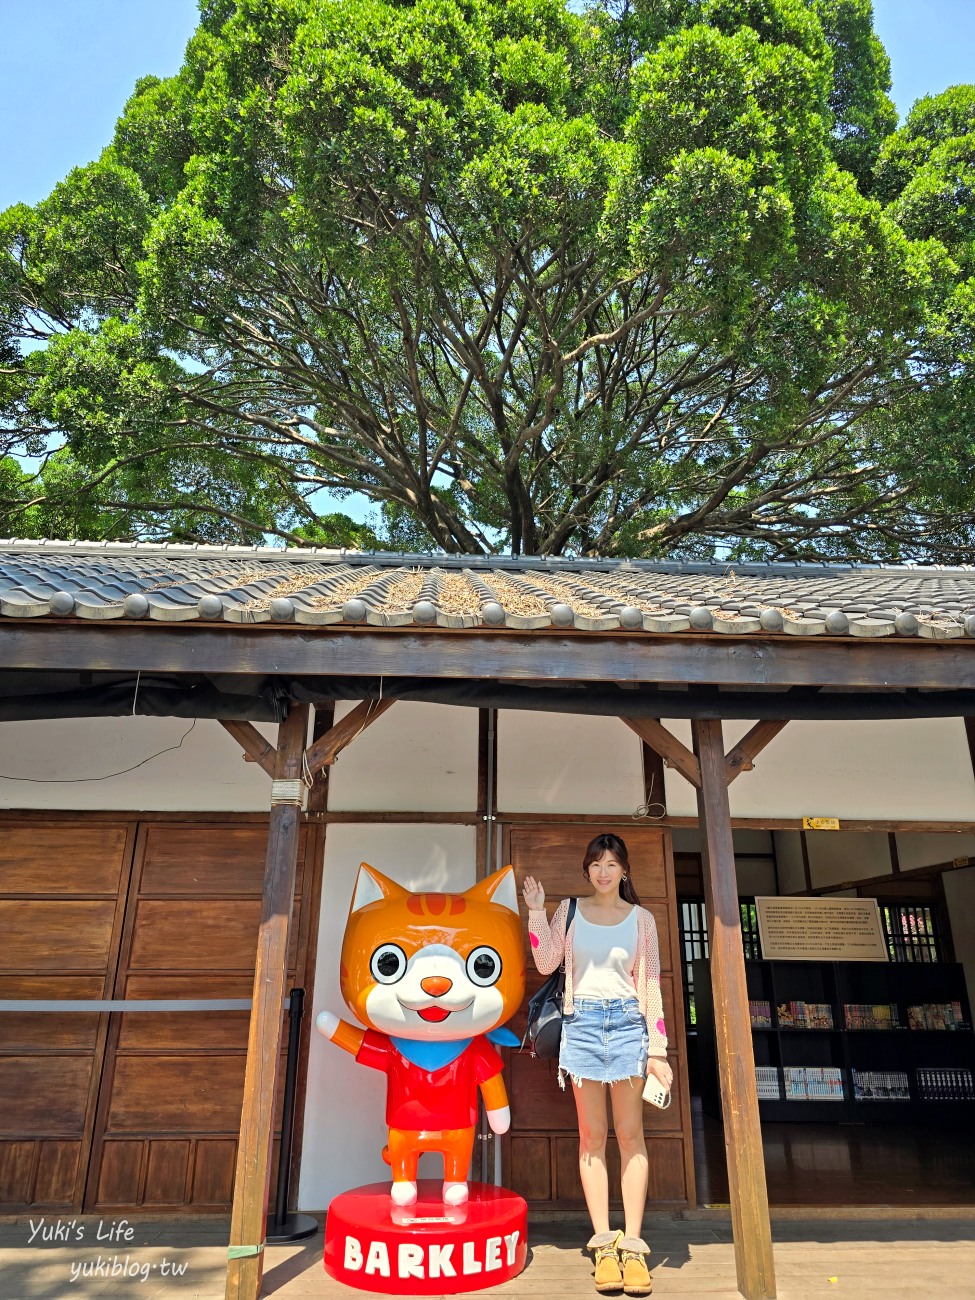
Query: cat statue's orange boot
pixel 605 1249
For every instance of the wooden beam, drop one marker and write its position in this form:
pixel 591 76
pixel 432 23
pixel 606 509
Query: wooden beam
pixel 327 748
pixel 252 743
pixel 751 745
pixel 312 882
pixel 806 866
pixel 736 1058
pixel 497 656
pixel 676 753
pixel 795 824
pixel 930 872
pixel 654 783
pixel 245 1263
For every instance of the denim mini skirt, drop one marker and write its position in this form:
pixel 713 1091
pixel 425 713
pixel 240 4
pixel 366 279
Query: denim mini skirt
pixel 603 1041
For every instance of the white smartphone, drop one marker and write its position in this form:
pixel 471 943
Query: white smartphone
pixel 655 1093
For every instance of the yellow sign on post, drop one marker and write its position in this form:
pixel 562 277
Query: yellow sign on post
pixel 820 823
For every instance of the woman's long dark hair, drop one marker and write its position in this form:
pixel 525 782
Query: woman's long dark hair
pixel 612 844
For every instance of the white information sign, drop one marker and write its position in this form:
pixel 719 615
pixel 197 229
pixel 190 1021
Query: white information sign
pixel 821 929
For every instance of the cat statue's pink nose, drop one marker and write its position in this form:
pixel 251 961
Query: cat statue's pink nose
pixel 436 985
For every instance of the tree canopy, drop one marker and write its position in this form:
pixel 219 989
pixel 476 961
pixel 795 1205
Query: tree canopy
pixel 650 278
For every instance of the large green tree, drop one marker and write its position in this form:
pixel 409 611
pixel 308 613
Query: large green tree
pixel 651 278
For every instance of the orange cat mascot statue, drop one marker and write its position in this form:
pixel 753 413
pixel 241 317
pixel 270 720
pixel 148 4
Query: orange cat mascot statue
pixel 434 977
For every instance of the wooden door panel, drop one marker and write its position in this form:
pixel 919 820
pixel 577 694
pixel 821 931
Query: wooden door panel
pixel 205 935
pixel 530 1167
pixel 39 935
pixel 16 1162
pixel 668 1172
pixel 213 1173
pixel 187 861
pixel 62 859
pixel 44 1095
pixel 167 1165
pixel 120 1173
pixel 180 1030
pixel 537 1101
pixel 57 1172
pixel 179 1094
pixel 47 1031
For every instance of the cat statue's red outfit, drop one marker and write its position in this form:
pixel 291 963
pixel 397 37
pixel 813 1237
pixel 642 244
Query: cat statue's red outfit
pixel 434 977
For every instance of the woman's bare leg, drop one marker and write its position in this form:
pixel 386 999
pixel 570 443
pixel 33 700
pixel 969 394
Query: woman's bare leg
pixel 627 1098
pixel 590 1100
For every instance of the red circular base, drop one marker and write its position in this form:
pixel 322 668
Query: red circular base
pixel 427 1248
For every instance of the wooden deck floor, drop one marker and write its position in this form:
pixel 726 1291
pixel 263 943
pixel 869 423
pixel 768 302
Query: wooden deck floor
pixel 888 1260
pixel 820 1250
pixel 842 1164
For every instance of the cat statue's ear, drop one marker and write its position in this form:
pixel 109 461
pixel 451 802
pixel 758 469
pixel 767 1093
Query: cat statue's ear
pixel 498 888
pixel 371 886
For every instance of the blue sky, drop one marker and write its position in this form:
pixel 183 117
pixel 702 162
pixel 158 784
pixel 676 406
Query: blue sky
pixel 68 66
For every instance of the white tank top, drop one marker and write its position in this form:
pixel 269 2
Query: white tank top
pixel 603 957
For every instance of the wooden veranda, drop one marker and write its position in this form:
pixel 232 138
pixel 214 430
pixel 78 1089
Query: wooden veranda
pixel 703 674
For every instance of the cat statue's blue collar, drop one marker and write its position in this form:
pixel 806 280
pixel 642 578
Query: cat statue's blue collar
pixel 434 1056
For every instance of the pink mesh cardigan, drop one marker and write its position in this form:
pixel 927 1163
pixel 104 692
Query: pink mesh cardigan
pixel 550 944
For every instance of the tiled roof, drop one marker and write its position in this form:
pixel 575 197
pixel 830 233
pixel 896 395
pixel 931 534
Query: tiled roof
pixel 245 585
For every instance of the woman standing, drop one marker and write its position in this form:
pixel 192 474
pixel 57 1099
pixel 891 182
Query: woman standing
pixel 613 1036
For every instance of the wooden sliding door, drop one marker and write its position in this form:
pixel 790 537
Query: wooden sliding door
pixel 141 1110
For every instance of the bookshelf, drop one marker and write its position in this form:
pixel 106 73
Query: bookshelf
pixel 851 1042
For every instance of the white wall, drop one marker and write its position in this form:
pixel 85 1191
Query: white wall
pixel 917 850
pixel 206 773
pixel 788 856
pixel 567 763
pixel 415 758
pixel 345 1129
pixel 838 856
pixel 914 770
pixel 755 875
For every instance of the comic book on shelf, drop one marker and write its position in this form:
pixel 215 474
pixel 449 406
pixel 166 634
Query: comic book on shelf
pixel 805 1015
pixel 936 1015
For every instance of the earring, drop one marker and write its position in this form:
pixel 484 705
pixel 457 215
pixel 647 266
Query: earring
pixel 626 877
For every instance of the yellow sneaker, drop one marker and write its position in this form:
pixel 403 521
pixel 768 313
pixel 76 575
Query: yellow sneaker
pixel 633 1252
pixel 604 1248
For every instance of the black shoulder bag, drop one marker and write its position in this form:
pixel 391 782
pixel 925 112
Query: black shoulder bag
pixel 544 1032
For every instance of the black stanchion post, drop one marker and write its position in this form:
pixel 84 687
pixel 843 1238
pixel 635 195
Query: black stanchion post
pixel 282 1226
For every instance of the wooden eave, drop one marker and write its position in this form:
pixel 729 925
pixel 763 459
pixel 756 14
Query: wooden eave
pixel 545 655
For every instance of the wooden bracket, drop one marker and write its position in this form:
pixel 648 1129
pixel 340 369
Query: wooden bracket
pixel 327 748
pixel 255 747
pixel 666 744
pixel 676 754
pixel 740 759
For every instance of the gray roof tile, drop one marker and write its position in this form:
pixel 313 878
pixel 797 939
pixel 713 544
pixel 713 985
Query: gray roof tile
pixel 321 587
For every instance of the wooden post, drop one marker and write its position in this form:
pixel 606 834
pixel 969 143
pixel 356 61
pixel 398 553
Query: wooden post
pixel 736 1059
pixel 245 1263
